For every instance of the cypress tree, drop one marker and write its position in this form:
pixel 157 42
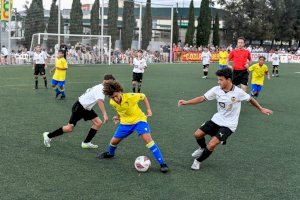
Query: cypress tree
pixel 113 21
pixel 147 26
pixel 216 36
pixel 76 15
pixel 175 27
pixel 189 36
pixel 53 24
pixel 204 24
pixel 128 24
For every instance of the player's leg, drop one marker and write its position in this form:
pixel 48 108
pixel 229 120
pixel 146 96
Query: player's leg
pixel 61 88
pixel 200 138
pixel 43 74
pixel 97 123
pixel 205 71
pixel 259 88
pixel 134 82
pixel 140 82
pixel 253 90
pixel 273 71
pixel 244 80
pixel 36 76
pixel 121 133
pixel 54 86
pixel 277 71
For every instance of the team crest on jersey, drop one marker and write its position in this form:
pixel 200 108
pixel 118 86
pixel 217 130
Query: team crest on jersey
pixel 233 99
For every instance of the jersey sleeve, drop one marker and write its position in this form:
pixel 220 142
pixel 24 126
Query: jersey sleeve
pixel 230 57
pixel 251 68
pixel 210 94
pixel 136 97
pixel 243 96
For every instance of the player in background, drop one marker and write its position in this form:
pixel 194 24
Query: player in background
pixel 206 56
pixel 40 61
pixel 225 121
pixel 60 72
pixel 275 62
pixel 83 109
pixel 259 71
pixel 241 59
pixel 139 65
pixel 223 57
pixel 131 119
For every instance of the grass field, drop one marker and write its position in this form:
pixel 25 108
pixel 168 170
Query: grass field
pixel 260 161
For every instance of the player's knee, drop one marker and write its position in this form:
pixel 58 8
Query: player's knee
pixel 199 134
pixel 213 144
pixel 68 128
pixel 35 77
pixel 98 123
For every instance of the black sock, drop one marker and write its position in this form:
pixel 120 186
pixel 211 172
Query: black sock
pixel 133 89
pixel 205 73
pixel 277 71
pixel 206 153
pixel 36 83
pixel 45 81
pixel 56 133
pixel 90 135
pixel 273 71
pixel 201 142
pixel 139 88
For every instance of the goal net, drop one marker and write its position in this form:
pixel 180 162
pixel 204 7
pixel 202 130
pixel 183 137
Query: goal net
pixel 81 49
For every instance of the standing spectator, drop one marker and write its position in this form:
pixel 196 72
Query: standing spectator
pixel 5 53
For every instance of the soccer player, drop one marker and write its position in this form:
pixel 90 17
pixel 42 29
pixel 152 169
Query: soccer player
pixel 131 118
pixel 225 121
pixel 59 77
pixel 139 66
pixel 275 62
pixel 83 109
pixel 241 58
pixel 39 65
pixel 259 70
pixel 206 56
pixel 223 56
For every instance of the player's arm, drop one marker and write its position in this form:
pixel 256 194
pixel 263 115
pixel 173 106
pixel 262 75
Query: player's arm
pixel 52 69
pixel 103 110
pixel 193 101
pixel 229 58
pixel 147 105
pixel 259 107
pixel 248 63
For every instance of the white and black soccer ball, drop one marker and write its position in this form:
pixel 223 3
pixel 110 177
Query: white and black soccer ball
pixel 142 163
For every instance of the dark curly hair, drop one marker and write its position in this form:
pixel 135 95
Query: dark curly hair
pixel 227 73
pixel 111 87
pixel 109 77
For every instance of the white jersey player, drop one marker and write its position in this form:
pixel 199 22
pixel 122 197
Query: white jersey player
pixel 275 62
pixel 206 56
pixel 225 121
pixel 83 109
pixel 139 66
pixel 39 64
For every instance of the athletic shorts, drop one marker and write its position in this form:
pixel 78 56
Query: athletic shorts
pixel 212 129
pixel 240 77
pixel 59 83
pixel 123 131
pixel 275 66
pixel 223 66
pixel 78 113
pixel 39 69
pixel 256 88
pixel 138 77
pixel 205 66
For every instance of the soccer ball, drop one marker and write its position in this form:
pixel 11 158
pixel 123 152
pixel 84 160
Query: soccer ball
pixel 142 163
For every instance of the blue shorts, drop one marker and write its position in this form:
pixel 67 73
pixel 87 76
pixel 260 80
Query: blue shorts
pixel 256 88
pixel 59 83
pixel 223 66
pixel 124 131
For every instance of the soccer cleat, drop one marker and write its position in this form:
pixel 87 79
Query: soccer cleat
pixel 164 168
pixel 62 97
pixel 196 165
pixel 56 95
pixel 197 153
pixel 277 75
pixel 47 140
pixel 273 75
pixel 104 155
pixel 204 77
pixel 88 145
pixel 35 87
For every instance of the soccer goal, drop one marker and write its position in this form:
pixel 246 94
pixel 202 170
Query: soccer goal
pixel 82 49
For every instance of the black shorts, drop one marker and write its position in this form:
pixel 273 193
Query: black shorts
pixel 78 113
pixel 212 129
pixel 138 77
pixel 205 66
pixel 39 69
pixel 240 77
pixel 275 66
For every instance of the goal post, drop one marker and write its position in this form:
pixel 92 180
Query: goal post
pixel 83 49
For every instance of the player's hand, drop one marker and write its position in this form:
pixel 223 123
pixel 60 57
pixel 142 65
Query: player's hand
pixel 229 66
pixel 266 111
pixel 105 118
pixel 46 66
pixel 149 113
pixel 116 119
pixel 269 77
pixel 181 103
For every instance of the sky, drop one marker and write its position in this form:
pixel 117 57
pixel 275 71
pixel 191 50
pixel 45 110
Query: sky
pixel 67 3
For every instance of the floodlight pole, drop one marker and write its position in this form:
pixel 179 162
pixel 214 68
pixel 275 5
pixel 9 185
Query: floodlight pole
pixel 9 32
pixel 59 23
pixel 140 27
pixel 171 42
pixel 102 30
